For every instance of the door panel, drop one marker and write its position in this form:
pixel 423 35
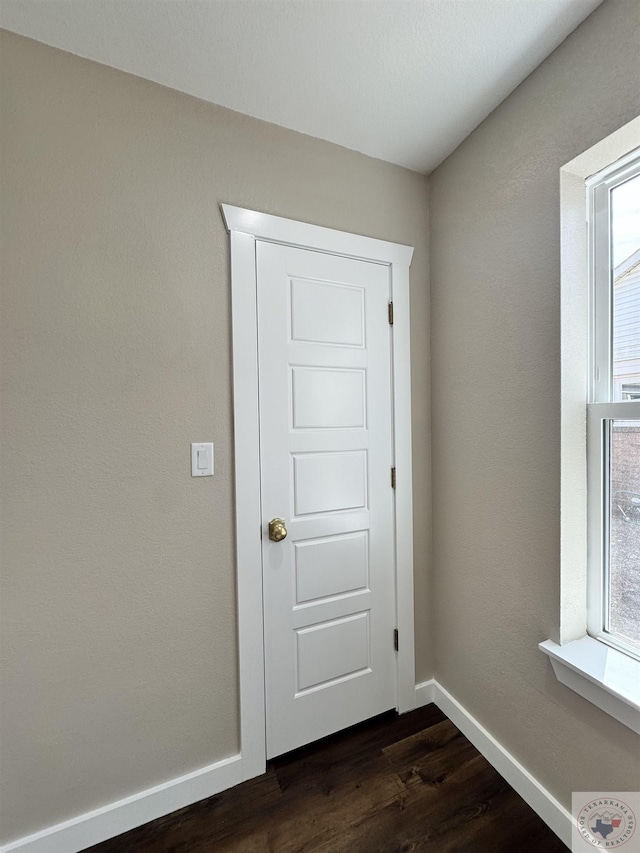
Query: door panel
pixel 329 482
pixel 332 565
pixel 326 455
pixel 332 650
pixel 327 313
pixel 326 397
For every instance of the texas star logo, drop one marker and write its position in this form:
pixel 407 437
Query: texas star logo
pixel 606 823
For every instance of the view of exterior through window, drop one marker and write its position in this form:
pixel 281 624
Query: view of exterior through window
pixel 624 538
pixel 623 617
pixel 625 256
pixel 614 409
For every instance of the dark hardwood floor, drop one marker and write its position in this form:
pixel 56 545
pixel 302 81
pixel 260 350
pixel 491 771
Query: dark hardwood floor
pixel 391 785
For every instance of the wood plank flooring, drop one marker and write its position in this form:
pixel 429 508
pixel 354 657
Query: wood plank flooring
pixel 390 785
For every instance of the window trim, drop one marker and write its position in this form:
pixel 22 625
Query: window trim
pixel 601 410
pixel 576 672
pixel 601 674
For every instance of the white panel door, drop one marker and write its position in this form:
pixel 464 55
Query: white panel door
pixel 326 457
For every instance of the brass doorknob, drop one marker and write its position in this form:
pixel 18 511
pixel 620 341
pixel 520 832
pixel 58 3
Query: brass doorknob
pixel 277 530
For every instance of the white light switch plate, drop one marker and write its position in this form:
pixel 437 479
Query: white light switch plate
pixel 202 459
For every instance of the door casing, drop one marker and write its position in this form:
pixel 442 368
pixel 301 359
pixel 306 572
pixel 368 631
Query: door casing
pixel 245 227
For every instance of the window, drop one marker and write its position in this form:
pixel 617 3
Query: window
pixel 613 408
pixel 596 653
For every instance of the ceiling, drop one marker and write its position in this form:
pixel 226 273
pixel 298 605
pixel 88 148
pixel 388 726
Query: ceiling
pixel 401 80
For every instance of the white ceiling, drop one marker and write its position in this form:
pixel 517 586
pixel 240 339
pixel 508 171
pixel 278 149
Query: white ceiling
pixel 401 80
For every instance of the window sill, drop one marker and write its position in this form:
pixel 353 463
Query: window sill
pixel 602 675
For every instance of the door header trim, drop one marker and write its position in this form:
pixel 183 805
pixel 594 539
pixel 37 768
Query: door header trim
pixel 245 227
pixel 276 229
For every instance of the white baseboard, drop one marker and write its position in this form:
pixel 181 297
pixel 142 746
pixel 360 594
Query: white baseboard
pixel 93 827
pixel 424 693
pixel 532 792
pixel 114 819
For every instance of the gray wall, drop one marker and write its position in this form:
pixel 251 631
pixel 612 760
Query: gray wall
pixel 118 604
pixel 495 286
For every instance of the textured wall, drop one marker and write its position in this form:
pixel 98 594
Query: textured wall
pixel 495 280
pixel 118 606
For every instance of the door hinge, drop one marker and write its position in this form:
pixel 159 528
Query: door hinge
pixel 395 639
pixel 393 478
pixel 391 313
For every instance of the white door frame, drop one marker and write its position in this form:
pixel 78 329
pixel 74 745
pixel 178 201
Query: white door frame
pixel 245 227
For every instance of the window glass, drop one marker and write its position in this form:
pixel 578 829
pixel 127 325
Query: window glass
pixel 625 256
pixel 613 413
pixel 624 530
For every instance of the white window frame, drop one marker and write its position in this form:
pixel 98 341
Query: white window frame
pixel 601 674
pixel 601 408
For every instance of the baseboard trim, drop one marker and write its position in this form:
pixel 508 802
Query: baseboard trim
pixel 95 826
pixel 424 693
pixel 114 819
pixel 553 813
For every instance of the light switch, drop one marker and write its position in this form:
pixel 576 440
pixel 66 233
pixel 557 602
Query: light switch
pixel 202 460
